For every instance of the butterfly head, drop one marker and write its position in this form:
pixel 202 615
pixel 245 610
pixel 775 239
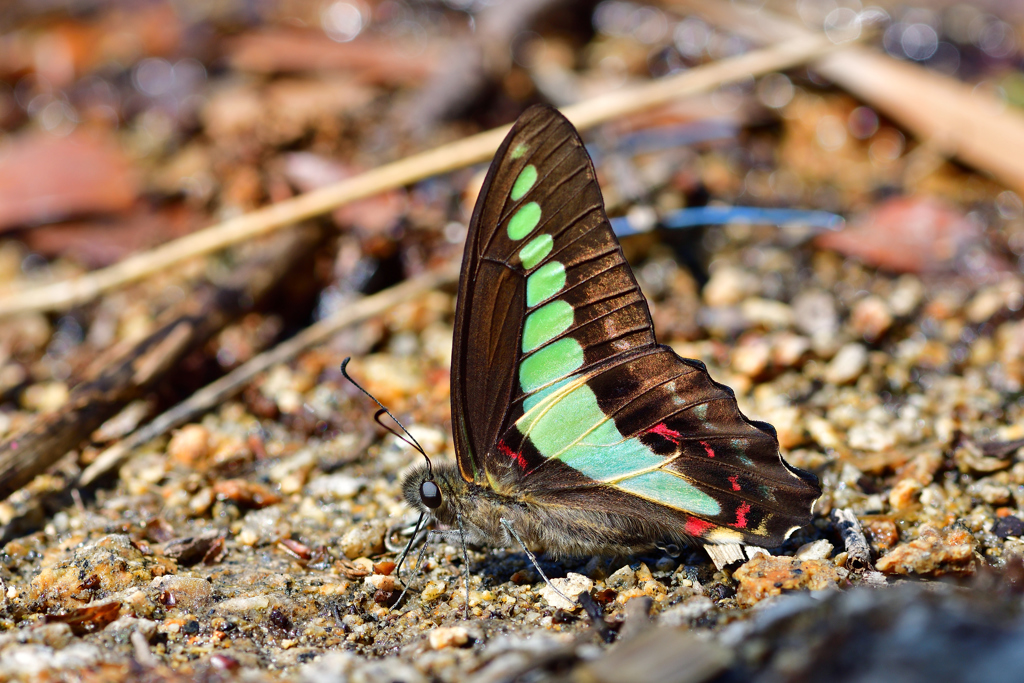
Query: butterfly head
pixel 435 491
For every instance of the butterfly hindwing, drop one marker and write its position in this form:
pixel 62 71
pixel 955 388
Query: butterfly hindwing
pixel 560 391
pixel 657 428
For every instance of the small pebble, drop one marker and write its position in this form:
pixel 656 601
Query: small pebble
pixel 452 636
pixel 366 538
pixel 904 494
pixel 789 349
pixel 381 582
pixel 624 577
pixel 766 575
pixel 189 445
pixel 871 317
pixel 815 550
pixel 337 486
pixel 933 553
pixel 729 286
pixel 188 593
pixel 1008 526
pixel 751 358
pixel 45 397
pixel 847 365
pixel 814 313
pixel 433 591
pixel 687 612
pixel 881 533
pixel 772 315
pixel 906 295
pixel 571 586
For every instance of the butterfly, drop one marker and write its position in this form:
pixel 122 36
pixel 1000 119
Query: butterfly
pixel 575 431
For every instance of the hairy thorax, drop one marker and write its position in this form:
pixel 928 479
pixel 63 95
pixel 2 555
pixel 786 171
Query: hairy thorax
pixel 560 530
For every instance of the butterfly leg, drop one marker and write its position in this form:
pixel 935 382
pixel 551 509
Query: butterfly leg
pixel 405 553
pixel 408 546
pixel 445 534
pixel 465 558
pixel 508 525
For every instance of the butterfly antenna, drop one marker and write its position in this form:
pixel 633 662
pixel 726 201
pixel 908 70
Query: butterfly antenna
pixel 411 441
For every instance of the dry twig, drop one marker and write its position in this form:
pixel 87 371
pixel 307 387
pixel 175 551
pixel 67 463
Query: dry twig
pixel 857 548
pixel 946 114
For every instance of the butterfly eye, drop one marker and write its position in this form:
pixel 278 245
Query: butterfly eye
pixel 430 494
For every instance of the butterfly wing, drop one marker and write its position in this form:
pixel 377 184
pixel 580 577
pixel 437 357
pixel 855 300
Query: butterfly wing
pixel 539 228
pixel 560 391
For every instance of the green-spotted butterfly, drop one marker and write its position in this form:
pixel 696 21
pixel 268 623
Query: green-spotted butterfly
pixel 575 431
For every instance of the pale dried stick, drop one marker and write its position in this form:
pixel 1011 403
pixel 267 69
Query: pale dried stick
pixel 857 549
pixel 215 393
pixel 67 293
pixel 974 126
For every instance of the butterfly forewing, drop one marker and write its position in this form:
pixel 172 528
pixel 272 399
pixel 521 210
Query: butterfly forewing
pixel 544 286
pixel 560 391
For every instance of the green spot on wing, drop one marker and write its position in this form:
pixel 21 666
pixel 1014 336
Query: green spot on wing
pixel 546 323
pixel 535 250
pixel 545 282
pixel 567 424
pixel 524 182
pixel 520 150
pixel 554 361
pixel 524 221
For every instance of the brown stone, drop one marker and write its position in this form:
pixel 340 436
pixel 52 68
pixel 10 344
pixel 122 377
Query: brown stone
pixel 933 553
pixel 882 533
pixel 904 494
pixel 94 572
pixel 766 575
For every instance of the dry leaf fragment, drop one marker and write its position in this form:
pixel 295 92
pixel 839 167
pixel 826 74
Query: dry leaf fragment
pixel 44 178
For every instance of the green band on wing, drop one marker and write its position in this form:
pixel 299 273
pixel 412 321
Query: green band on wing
pixel 568 424
pixel 524 182
pixel 665 487
pixel 546 323
pixel 553 362
pixel 572 428
pixel 520 150
pixel 524 221
pixel 544 283
pixel 535 250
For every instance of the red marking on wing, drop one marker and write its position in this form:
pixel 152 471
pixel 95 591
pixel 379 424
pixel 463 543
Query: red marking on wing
pixel 735 484
pixel 508 452
pixel 708 449
pixel 697 527
pixel 661 429
pixel 741 515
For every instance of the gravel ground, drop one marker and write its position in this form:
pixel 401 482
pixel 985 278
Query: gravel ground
pixel 254 546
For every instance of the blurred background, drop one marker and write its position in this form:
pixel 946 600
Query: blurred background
pixel 879 327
